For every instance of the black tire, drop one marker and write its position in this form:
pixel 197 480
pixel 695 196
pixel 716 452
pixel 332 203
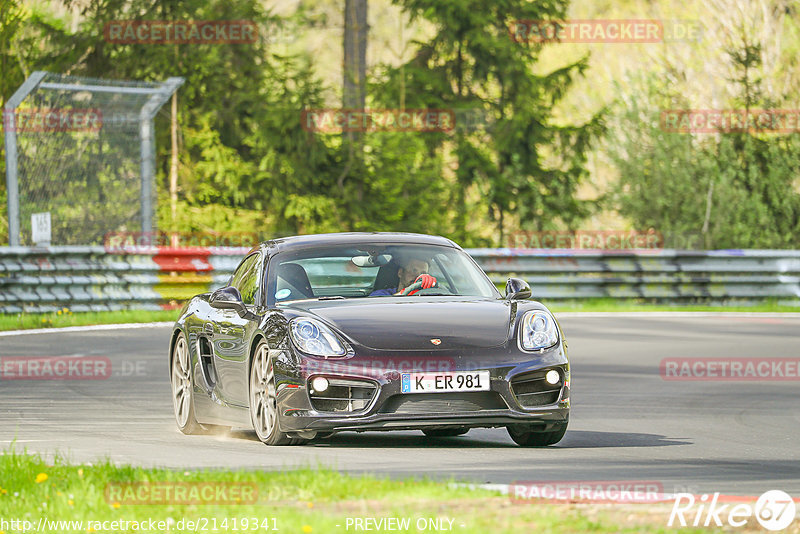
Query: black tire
pixel 445 432
pixel 183 388
pixel 263 400
pixel 527 436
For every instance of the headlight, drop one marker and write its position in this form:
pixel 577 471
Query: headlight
pixel 313 337
pixel 537 330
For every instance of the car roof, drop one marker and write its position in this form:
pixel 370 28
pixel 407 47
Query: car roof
pixel 346 238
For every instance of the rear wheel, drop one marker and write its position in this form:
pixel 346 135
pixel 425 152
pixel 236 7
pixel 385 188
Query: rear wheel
pixel 182 394
pixel 529 436
pixel 264 400
pixel 445 432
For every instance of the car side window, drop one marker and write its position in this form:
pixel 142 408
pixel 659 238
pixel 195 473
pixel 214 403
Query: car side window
pixel 245 279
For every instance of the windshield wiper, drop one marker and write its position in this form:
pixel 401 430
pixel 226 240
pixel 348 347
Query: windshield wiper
pixel 332 297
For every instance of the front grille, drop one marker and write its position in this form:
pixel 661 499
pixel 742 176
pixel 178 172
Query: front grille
pixel 343 395
pixel 531 389
pixel 426 403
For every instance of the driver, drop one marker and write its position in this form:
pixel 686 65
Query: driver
pixel 411 271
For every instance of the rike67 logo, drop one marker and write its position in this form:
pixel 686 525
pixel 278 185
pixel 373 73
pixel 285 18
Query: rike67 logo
pixel 774 510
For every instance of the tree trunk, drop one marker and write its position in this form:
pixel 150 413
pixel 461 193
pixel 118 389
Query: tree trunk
pixel 354 89
pixel 355 54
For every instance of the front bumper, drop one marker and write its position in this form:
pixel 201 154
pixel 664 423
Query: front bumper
pixel 389 409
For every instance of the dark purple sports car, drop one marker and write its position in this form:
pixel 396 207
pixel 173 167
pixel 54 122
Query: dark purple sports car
pixel 319 334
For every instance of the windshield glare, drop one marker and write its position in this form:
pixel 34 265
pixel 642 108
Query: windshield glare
pixel 374 271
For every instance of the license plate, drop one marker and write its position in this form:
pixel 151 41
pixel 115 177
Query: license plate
pixel 444 382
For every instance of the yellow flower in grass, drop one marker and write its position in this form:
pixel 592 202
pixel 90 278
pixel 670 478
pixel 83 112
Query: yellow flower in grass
pixel 307 529
pixel 90 529
pixel 115 505
pixel 80 473
pixel 41 477
pixel 71 502
pixel 310 504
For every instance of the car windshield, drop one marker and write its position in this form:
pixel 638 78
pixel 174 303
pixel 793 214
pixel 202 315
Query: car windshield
pixel 373 270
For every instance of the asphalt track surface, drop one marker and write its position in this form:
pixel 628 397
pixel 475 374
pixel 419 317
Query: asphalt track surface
pixel 627 423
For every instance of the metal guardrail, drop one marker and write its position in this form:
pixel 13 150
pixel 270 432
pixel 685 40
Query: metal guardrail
pixel 658 274
pixel 94 279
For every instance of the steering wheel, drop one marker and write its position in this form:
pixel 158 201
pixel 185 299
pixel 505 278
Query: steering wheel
pixel 417 286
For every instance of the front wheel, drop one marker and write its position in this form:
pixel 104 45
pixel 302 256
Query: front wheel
pixel 263 399
pixel 527 437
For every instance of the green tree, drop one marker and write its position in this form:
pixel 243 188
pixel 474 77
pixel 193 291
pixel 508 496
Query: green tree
pixel 520 167
pixel 243 147
pixel 739 189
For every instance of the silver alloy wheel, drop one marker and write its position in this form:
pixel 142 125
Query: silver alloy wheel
pixel 263 401
pixel 181 383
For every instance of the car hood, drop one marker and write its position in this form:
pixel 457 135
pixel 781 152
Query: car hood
pixel 403 323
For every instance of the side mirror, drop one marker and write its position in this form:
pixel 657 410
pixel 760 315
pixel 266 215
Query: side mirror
pixel 517 289
pixel 228 298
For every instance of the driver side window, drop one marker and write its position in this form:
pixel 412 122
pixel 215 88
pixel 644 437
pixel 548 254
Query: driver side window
pixel 245 279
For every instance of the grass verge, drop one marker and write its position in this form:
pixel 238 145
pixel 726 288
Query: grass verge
pixel 62 318
pixel 302 501
pixel 651 305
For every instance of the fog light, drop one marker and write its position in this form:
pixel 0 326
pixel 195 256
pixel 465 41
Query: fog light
pixel 320 383
pixel 552 377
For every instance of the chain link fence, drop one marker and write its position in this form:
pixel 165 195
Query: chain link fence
pixel 82 150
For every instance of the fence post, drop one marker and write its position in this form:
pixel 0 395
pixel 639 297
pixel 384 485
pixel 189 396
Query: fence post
pixel 10 128
pixel 148 149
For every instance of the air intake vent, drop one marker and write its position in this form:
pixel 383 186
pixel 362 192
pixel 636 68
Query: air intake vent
pixel 427 403
pixel 532 390
pixel 343 395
